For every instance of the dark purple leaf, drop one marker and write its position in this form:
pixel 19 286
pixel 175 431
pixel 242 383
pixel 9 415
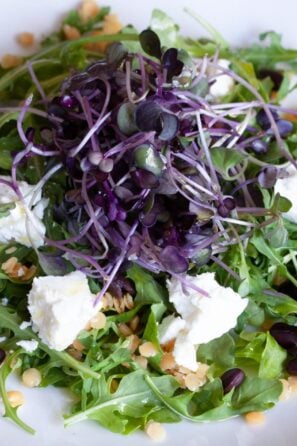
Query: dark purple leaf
pixel 150 43
pixel 145 179
pixel 53 265
pixel 115 54
pixel 148 117
pixel 149 219
pixel 267 177
pixel 171 63
pixel 170 126
pixel 229 203
pixel 173 261
pixel 126 119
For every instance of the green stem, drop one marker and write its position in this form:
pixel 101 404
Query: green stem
pixel 291 278
pixel 9 411
pixel 14 74
pixel 120 37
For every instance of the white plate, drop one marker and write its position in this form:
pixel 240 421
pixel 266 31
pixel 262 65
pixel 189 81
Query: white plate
pixel 240 21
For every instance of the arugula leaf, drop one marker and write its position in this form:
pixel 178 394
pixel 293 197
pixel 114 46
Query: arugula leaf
pixel 270 54
pixel 149 291
pixel 151 329
pixel 10 320
pixel 165 28
pixel 133 401
pixel 74 19
pixel 209 352
pixel 224 159
pixel 272 359
pixel 254 394
pixel 10 412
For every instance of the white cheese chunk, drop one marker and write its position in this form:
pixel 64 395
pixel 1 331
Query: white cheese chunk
pixel 60 308
pixel 185 352
pixel 28 346
pixel 287 188
pixel 205 318
pixel 25 324
pixel 23 222
pixel 170 328
pixel 223 83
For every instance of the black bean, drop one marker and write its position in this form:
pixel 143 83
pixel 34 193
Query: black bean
pixel 285 335
pixel 232 378
pixel 263 120
pixel 292 367
pixel 285 127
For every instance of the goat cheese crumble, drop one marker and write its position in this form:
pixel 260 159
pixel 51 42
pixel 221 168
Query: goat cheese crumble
pixel 60 308
pixel 286 187
pixel 23 223
pixel 201 319
pixel 223 83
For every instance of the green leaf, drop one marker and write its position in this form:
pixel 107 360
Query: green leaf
pixel 272 360
pixel 259 242
pixel 73 19
pixel 224 159
pixel 149 291
pixel 10 412
pixel 151 329
pixel 10 320
pixel 251 347
pixel 7 117
pixel 214 33
pixel 256 394
pixel 280 204
pixel 133 400
pixel 277 305
pixel 165 28
pixel 209 352
pixel 247 71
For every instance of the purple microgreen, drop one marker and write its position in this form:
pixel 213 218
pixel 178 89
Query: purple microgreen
pixel 267 177
pixel 150 43
pixel 148 116
pixel 146 157
pixel 173 261
pixel 126 119
pixel 170 126
pixel 171 63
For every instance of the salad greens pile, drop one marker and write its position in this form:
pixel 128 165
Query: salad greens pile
pixel 148 176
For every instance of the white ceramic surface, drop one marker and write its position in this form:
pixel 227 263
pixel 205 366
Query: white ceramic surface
pixel 240 21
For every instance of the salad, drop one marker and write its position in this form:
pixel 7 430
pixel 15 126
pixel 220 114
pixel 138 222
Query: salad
pixel 148 223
